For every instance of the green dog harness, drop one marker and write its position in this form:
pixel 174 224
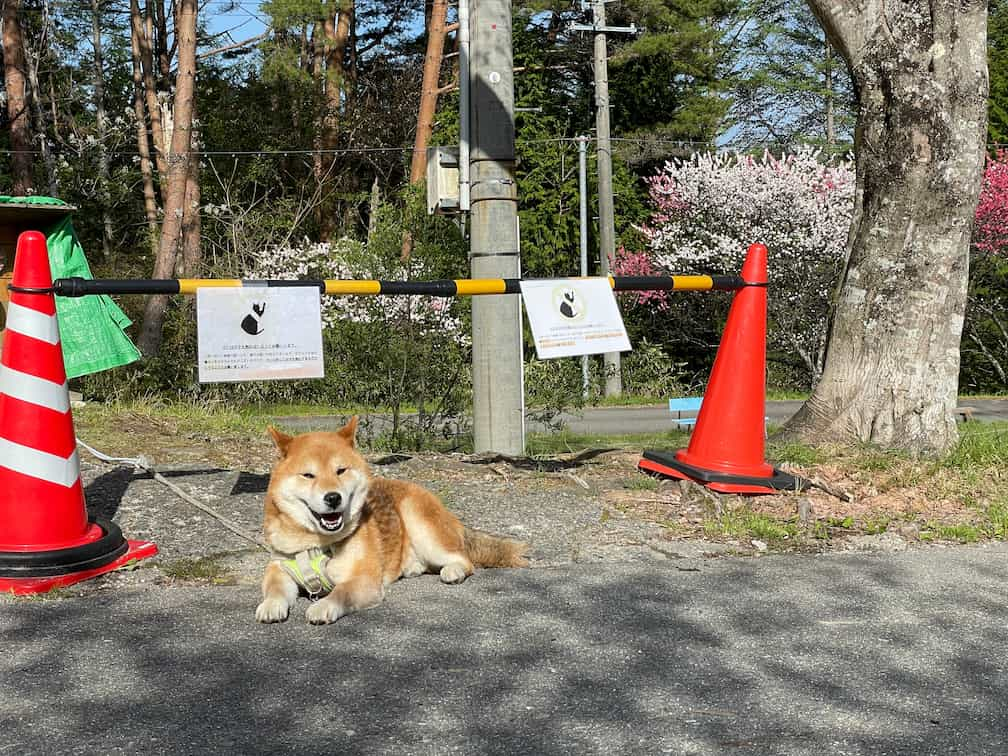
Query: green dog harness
pixel 307 569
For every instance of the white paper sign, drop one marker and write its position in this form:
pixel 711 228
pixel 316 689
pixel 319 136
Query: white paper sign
pixel 571 316
pixel 258 333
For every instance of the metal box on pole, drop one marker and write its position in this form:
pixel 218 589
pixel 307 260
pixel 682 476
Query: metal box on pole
pixel 443 180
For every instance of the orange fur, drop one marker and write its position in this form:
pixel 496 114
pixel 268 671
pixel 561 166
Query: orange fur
pixel 375 530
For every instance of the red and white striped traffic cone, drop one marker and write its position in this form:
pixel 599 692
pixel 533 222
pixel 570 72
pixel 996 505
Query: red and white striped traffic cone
pixel 726 448
pixel 46 537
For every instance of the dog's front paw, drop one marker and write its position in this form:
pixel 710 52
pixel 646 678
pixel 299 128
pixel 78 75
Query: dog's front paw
pixel 453 573
pixel 272 610
pixel 323 612
pixel 413 569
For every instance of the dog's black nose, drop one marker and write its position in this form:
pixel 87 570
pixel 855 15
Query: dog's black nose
pixel 333 499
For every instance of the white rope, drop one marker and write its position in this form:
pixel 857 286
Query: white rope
pixel 142 463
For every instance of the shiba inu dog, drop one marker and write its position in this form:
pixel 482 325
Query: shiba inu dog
pixel 336 530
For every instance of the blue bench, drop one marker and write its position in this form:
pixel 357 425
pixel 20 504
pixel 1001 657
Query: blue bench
pixel 684 410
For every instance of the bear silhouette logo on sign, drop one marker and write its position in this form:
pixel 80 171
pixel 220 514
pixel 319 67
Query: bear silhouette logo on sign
pixel 251 324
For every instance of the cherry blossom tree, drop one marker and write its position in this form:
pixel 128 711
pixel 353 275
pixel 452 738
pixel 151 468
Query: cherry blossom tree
pixel 985 334
pixel 349 260
pixel 708 208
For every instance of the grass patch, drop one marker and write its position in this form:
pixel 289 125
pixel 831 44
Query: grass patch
pixel 796 453
pixel 876 525
pixel 630 401
pixel 566 442
pixel 786 395
pixel 960 532
pixel 997 518
pixel 203 570
pixel 981 445
pixel 742 522
pixel 205 418
pixel 641 482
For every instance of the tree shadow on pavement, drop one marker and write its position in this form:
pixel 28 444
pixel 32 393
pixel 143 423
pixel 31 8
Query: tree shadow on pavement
pixel 848 655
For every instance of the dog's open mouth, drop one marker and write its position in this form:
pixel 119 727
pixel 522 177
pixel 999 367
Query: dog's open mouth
pixel 331 521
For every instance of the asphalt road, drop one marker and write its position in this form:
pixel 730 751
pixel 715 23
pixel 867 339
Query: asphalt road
pixel 647 419
pixel 847 654
pixel 616 641
pixel 652 419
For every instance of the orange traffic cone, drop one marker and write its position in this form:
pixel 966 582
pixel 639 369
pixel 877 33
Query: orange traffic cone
pixel 46 538
pixel 726 449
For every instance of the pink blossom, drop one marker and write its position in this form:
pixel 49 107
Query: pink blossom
pixel 639 264
pixel 990 226
pixel 708 208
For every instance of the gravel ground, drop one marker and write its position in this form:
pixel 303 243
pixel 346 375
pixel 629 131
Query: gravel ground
pixel 590 507
pixel 568 515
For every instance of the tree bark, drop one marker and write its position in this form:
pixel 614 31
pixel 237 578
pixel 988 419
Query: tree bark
pixel 101 121
pixel 428 104
pixel 32 58
pixel 192 258
pixel 159 41
pixel 892 363
pixel 147 43
pixel 149 341
pixel 143 142
pixel 429 92
pixel 318 72
pixel 335 38
pixel 373 207
pixel 828 75
pixel 17 101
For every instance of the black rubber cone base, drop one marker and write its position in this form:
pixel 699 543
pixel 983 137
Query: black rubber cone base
pixel 666 464
pixel 88 556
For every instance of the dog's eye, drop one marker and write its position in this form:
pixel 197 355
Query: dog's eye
pixel 340 470
pixel 310 476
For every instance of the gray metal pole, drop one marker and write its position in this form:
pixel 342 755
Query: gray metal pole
pixel 583 207
pixel 464 107
pixel 498 389
pixel 607 224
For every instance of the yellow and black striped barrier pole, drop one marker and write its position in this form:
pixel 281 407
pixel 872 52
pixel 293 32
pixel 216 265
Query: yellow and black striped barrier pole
pixel 461 287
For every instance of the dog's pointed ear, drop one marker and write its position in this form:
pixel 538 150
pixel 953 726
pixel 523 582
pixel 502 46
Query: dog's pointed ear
pixel 349 431
pixel 281 439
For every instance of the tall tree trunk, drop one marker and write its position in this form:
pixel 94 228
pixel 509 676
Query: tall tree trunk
pixel 428 104
pixel 147 43
pixel 179 158
pixel 32 59
pixel 892 364
pixel 336 35
pixel 351 71
pixel 429 92
pixel 191 226
pixel 160 40
pixel 143 141
pixel 373 207
pixel 98 96
pixel 17 101
pixel 318 72
pixel 830 97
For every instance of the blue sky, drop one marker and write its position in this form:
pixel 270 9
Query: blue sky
pixel 240 20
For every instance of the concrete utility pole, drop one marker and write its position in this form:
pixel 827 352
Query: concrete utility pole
pixel 498 386
pixel 607 223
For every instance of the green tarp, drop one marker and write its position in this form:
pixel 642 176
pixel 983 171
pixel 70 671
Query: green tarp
pixel 91 328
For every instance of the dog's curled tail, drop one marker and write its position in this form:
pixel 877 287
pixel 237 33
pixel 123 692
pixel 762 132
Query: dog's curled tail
pixel 487 550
